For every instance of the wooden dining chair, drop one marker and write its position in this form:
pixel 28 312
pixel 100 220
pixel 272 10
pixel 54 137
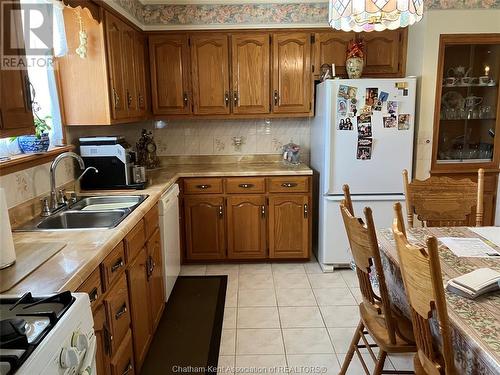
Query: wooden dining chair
pixel 444 201
pixel 389 329
pixel 423 282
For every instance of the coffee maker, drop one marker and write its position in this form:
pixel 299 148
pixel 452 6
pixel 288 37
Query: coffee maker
pixel 114 160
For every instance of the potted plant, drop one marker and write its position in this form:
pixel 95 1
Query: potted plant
pixel 354 60
pixel 38 142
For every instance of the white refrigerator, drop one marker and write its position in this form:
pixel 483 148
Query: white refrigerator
pixel 368 152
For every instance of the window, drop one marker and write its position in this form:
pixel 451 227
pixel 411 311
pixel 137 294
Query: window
pixel 46 102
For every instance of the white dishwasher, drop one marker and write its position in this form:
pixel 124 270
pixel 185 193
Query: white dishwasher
pixel 170 237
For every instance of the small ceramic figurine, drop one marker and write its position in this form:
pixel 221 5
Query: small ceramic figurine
pixel 146 151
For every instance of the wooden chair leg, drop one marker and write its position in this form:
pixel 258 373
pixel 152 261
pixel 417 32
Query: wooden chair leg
pixel 380 363
pixel 352 348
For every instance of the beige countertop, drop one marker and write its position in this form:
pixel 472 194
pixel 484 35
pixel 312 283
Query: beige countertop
pixel 86 249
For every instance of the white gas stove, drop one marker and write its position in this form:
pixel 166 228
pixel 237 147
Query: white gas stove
pixel 47 335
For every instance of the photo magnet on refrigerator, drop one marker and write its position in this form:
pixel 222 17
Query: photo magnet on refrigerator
pixel 364 126
pixel 364 149
pixel 371 96
pixel 342 106
pixel 352 92
pixel 392 108
pixel 384 96
pixel 390 121
pixel 344 91
pixel 403 122
pixel 345 124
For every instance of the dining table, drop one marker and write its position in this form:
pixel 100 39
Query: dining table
pixel 475 323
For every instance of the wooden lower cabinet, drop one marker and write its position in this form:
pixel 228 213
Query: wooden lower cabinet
pixel 155 279
pixel 289 226
pixel 205 233
pixel 123 362
pixel 137 274
pixel 102 340
pixel 118 312
pixel 246 227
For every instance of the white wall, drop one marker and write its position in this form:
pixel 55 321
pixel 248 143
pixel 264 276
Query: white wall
pixel 422 60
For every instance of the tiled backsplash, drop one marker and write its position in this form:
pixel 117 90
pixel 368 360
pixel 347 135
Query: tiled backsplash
pixel 211 137
pixel 32 182
pixel 216 137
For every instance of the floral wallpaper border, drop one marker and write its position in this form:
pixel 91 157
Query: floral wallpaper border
pixel 315 13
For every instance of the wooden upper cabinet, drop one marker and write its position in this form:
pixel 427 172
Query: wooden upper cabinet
pixel 210 72
pixel 250 72
pixel 16 117
pixel 330 48
pixel 116 64
pixel 289 226
pixel 292 79
pixel 170 76
pixel 385 53
pixel 246 227
pixel 205 234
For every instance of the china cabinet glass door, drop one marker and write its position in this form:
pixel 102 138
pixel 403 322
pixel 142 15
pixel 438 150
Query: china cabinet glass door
pixel 468 102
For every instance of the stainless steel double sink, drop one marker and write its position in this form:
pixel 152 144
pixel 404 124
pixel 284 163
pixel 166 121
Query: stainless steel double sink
pixel 96 212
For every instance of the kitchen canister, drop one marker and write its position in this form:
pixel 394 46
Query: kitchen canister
pixel 7 252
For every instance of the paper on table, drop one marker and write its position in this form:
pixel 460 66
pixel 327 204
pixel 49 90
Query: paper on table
pixel 469 247
pixel 490 233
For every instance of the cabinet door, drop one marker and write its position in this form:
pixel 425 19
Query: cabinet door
pixel 139 298
pixel 250 73
pixel 123 362
pixel 289 219
pixel 155 279
pixel 102 340
pixel 204 217
pixel 170 76
pixel 292 80
pixel 140 74
pixel 117 84
pixel 330 48
pixel 118 311
pixel 129 70
pixel 246 227
pixel 210 73
pixel 383 53
pixel 16 117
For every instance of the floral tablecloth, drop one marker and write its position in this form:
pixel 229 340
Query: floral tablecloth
pixel 475 323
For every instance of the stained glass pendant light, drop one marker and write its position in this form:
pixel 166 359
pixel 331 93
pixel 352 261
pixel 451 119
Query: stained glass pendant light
pixel 374 15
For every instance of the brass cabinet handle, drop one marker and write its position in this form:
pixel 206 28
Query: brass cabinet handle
pixel 306 211
pixel 128 368
pixel 235 98
pixel 221 211
pixel 119 264
pixel 186 99
pixel 263 211
pixel 93 295
pixel 129 99
pixel 108 338
pixel 121 311
pixel 140 99
pixel 226 98
pixel 246 186
pixel 288 184
pixel 203 187
pixel 116 98
pixel 276 97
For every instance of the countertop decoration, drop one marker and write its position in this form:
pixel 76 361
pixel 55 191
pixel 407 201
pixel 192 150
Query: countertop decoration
pixel 146 151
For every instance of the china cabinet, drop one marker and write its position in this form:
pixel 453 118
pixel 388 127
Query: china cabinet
pixel 466 111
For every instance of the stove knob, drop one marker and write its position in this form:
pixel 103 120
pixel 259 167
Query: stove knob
pixel 80 341
pixel 69 358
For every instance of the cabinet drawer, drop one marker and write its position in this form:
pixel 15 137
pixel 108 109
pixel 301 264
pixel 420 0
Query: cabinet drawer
pixel 203 186
pixel 288 184
pixel 118 312
pixel 245 185
pixel 123 361
pixel 113 265
pixel 134 240
pixel 151 221
pixel 93 287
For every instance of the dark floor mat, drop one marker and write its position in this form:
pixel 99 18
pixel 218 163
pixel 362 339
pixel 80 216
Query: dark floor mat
pixel 188 337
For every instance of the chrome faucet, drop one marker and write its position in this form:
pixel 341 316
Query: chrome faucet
pixel 53 193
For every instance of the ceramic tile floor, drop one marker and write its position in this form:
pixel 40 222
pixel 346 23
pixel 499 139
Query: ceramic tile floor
pixel 288 318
